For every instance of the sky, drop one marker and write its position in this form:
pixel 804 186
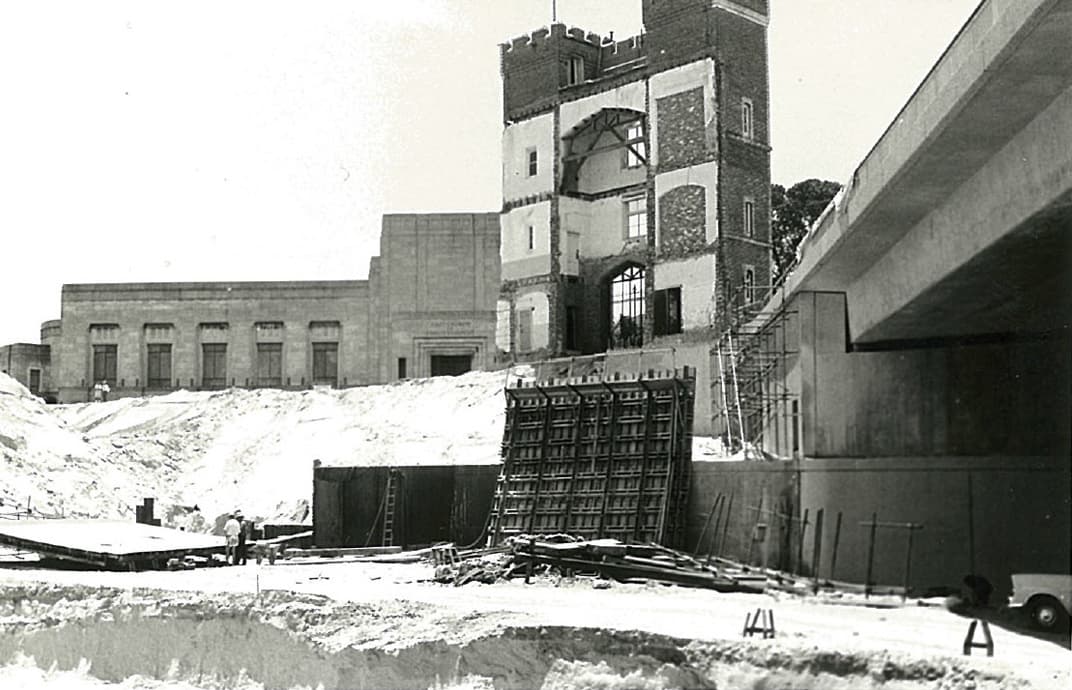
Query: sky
pixel 207 140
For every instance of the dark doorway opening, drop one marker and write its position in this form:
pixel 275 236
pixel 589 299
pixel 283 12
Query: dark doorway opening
pixel 451 365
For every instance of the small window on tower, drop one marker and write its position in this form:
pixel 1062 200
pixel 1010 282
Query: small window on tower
pixel 749 218
pixel 749 284
pixel 747 123
pixel 574 71
pixel 533 158
pixel 532 238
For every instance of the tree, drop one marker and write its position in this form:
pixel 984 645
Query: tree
pixel 792 211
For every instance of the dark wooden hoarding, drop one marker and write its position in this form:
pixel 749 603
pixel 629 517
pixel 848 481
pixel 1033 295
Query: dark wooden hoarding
pixel 431 504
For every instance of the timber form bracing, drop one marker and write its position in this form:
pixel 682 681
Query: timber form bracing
pixel 756 406
pixel 597 456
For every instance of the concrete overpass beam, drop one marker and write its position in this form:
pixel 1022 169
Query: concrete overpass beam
pixel 1015 197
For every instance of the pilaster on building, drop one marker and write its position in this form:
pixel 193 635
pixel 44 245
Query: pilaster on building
pixel 636 179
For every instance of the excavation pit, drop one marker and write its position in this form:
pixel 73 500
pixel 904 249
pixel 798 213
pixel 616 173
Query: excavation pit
pixel 286 640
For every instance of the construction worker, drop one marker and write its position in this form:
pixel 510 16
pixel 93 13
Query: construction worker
pixel 231 530
pixel 244 527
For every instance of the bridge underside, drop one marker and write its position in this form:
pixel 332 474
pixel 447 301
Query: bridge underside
pixel 1019 286
pixel 957 224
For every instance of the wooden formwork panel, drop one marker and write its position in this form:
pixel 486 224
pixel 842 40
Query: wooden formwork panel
pixel 596 458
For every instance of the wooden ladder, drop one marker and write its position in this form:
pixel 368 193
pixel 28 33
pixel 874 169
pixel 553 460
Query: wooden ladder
pixel 389 508
pixel 731 397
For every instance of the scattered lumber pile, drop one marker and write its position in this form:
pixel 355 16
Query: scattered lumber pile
pixel 610 558
pixel 830 591
pixel 607 559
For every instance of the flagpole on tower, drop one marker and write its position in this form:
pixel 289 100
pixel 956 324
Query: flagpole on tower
pixel 554 11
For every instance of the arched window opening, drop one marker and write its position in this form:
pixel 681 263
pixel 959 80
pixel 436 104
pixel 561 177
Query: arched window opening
pixel 627 308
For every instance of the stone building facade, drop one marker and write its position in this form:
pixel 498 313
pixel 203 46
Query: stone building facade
pixel 29 364
pixel 427 308
pixel 636 179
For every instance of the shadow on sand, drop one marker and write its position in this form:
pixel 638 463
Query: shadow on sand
pixel 1015 620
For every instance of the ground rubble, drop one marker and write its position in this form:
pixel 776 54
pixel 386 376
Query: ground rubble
pixel 284 639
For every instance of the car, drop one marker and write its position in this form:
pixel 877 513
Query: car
pixel 1046 597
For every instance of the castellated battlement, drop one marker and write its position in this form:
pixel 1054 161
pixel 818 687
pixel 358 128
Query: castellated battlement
pixel 558 61
pixel 617 54
pixel 541 37
pixel 537 66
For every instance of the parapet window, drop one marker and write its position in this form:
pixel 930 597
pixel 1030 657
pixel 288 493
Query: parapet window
pixel 636 217
pixel 749 218
pixel 574 71
pixel 747 119
pixel 533 158
pixel 636 149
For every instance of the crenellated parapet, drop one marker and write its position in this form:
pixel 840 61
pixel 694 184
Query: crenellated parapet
pixel 538 65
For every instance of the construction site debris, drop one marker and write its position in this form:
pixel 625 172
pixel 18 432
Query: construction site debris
pixel 567 556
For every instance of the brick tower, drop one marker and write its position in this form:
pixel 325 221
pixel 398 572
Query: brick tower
pixel 636 179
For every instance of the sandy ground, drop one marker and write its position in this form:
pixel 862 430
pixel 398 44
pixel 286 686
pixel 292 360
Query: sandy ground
pixel 432 611
pixel 247 449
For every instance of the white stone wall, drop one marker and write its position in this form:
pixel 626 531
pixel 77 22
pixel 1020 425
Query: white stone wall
pixel 518 138
pixel 696 278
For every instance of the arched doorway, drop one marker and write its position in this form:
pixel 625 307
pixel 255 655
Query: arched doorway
pixel 627 307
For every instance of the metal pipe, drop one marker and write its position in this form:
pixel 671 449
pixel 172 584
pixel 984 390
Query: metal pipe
pixel 837 538
pixel 871 555
pixel 908 565
pixel 726 525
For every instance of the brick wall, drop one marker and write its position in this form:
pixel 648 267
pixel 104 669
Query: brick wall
pixel 676 30
pixel 742 50
pixel 533 66
pixel 682 140
pixel 682 221
pixel 739 253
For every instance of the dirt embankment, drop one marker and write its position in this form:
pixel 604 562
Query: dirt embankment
pixel 283 640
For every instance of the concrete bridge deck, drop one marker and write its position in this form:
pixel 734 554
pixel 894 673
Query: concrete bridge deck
pixel 958 222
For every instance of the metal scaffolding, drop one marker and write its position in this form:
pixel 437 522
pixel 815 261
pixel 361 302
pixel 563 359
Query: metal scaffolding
pixel 758 411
